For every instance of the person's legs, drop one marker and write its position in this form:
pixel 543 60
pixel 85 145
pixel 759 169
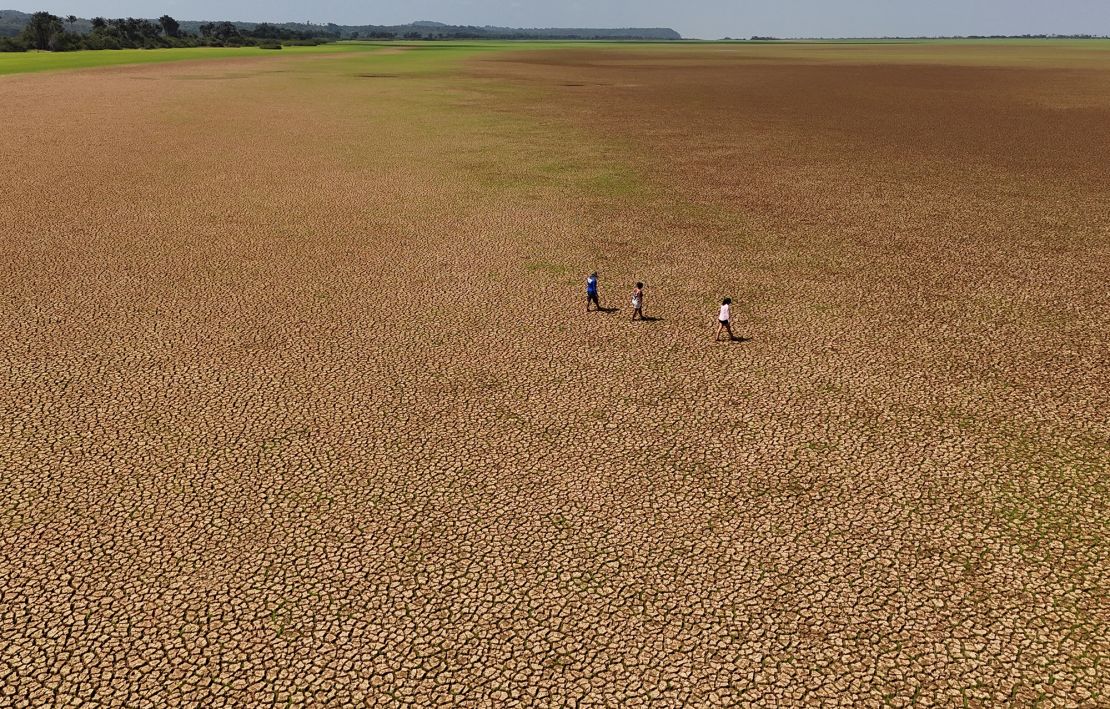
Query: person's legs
pixel 730 335
pixel 717 335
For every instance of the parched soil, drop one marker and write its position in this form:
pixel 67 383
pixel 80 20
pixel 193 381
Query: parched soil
pixel 298 403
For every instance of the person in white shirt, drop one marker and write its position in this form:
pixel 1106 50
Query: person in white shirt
pixel 723 321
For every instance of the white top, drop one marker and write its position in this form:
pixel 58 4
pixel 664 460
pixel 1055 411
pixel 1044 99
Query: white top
pixel 724 313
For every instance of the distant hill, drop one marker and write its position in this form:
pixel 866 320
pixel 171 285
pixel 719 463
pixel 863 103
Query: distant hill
pixel 12 23
pixel 425 29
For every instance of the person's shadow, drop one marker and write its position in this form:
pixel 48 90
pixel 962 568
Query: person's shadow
pixel 608 311
pixel 649 318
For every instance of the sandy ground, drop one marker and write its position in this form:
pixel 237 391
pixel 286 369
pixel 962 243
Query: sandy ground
pixel 298 403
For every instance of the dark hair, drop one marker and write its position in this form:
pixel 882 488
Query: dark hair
pixel 639 285
pixel 726 301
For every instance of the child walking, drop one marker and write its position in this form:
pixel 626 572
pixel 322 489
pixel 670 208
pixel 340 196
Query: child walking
pixel 723 321
pixel 638 301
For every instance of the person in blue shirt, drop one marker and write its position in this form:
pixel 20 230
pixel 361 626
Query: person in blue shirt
pixel 591 292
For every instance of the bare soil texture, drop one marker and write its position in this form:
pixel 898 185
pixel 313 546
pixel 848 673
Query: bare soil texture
pixel 298 403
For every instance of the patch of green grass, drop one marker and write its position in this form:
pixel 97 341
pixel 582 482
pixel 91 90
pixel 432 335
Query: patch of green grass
pixel 610 181
pixel 615 182
pixel 23 62
pixel 555 269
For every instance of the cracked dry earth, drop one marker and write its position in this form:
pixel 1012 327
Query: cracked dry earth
pixel 298 405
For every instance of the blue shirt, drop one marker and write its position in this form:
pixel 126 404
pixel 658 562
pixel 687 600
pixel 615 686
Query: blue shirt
pixel 591 286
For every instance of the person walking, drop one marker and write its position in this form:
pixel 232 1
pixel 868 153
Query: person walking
pixel 591 292
pixel 723 321
pixel 638 301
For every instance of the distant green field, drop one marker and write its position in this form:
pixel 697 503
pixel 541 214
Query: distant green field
pixel 21 62
pixel 994 52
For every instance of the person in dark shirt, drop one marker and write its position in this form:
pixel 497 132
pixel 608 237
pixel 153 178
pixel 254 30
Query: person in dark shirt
pixel 591 292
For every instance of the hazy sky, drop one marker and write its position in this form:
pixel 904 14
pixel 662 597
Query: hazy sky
pixel 693 18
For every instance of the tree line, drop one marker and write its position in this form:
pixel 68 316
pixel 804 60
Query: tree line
pixel 20 31
pixel 47 32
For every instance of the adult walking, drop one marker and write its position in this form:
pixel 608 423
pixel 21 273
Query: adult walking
pixel 723 324
pixel 591 292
